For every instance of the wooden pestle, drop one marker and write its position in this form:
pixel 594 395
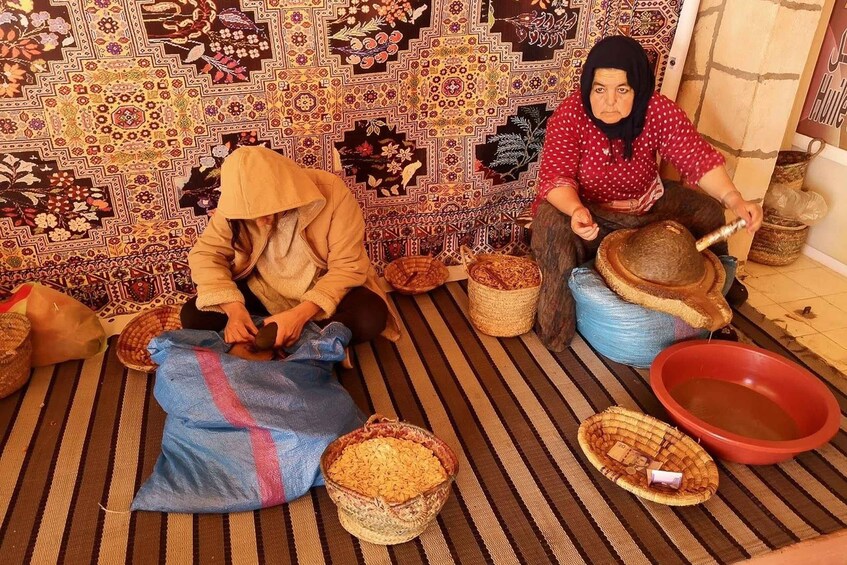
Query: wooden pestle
pixel 720 234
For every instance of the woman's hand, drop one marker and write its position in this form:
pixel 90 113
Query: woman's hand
pixel 290 323
pixel 750 211
pixel 583 224
pixel 239 326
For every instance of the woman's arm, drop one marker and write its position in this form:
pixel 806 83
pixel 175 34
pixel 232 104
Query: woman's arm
pixel 210 261
pixel 565 199
pixel 717 184
pixel 699 162
pixel 559 167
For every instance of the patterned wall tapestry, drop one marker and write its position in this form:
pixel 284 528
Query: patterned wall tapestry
pixel 115 116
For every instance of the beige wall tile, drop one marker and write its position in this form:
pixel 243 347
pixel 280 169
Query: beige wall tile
pixel 688 96
pixel 769 115
pixel 808 3
pixel 753 175
pixel 744 33
pixel 701 44
pixel 731 162
pixel 823 316
pixel 794 30
pixel 726 108
pixel 739 244
pixel 709 5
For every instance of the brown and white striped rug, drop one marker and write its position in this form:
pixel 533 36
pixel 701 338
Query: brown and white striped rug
pixel 81 437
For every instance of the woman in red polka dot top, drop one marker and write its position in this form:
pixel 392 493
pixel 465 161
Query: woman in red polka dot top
pixel 599 173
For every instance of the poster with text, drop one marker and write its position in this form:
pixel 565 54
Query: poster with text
pixel 826 102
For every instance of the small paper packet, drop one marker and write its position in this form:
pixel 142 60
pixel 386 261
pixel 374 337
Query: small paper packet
pixel 668 479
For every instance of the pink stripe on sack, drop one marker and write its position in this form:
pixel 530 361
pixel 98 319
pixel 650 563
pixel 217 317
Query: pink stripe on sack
pixel 268 472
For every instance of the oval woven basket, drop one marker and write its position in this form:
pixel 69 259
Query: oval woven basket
pixel 416 274
pixel 373 519
pixel 136 336
pixel 791 166
pixel 779 241
pixel 494 311
pixel 676 451
pixel 15 352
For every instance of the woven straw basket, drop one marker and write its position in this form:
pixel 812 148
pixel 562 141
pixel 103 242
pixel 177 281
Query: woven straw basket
pixel 791 166
pixel 15 352
pixel 495 312
pixel 779 241
pixel 415 274
pixel 373 519
pixel 136 336
pixel 676 451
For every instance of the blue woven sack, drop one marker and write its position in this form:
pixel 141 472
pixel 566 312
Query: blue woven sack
pixel 241 435
pixel 626 332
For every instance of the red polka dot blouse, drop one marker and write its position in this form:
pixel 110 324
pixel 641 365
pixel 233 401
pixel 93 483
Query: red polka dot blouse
pixel 578 153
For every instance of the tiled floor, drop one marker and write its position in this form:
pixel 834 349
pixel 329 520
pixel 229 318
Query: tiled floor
pixel 783 294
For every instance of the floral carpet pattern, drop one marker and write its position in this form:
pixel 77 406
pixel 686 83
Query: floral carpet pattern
pixel 116 115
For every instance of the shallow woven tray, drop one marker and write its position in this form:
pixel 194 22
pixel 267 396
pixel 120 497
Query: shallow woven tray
pixel 416 274
pixel 136 336
pixel 676 451
pixel 373 519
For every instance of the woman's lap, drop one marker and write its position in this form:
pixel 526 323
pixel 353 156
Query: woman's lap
pixel 361 310
pixel 558 250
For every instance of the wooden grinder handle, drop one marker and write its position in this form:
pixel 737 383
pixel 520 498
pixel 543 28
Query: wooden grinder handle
pixel 720 234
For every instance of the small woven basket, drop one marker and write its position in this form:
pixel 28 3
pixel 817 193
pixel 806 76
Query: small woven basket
pixel 496 312
pixel 416 274
pixel 136 336
pixel 779 241
pixel 373 519
pixel 15 352
pixel 791 166
pixel 673 449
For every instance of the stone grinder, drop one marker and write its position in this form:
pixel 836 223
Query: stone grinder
pixel 661 266
pixel 262 348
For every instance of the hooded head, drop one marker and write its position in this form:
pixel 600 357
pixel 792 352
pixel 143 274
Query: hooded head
pixel 257 181
pixel 625 54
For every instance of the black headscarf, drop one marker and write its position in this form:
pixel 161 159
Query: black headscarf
pixel 626 54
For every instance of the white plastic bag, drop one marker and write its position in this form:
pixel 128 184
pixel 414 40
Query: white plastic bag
pixel 804 206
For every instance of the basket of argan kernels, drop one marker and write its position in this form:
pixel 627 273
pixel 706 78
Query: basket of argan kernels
pixel 502 292
pixel 388 479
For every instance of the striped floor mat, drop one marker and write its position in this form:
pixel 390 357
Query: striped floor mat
pixel 81 437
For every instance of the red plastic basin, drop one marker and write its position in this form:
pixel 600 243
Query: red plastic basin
pixel 799 393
